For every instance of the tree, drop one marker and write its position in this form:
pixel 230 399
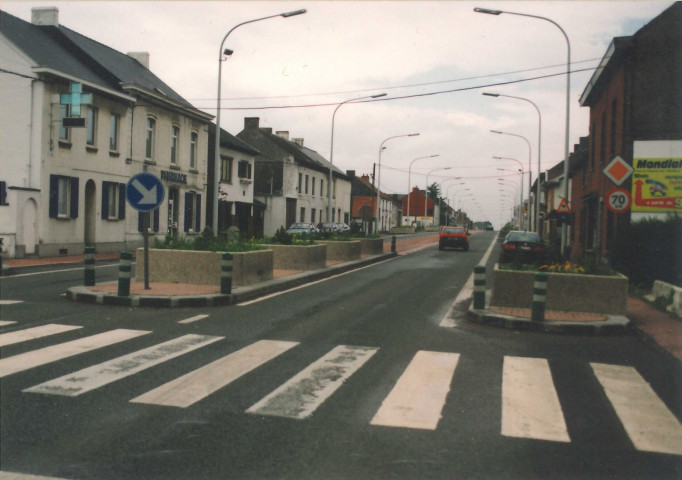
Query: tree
pixel 433 191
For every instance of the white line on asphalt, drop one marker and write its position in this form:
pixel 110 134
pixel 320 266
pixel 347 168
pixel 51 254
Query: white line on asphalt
pixel 300 396
pixel 647 421
pixel 193 319
pixel 530 405
pixel 194 386
pixel 90 378
pixel 417 399
pixel 25 476
pixel 25 361
pixel 4 323
pixel 58 271
pixel 34 332
pixel 260 299
pixel 466 291
pixel 10 302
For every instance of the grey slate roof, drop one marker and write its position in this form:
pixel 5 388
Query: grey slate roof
pixel 69 52
pixel 230 141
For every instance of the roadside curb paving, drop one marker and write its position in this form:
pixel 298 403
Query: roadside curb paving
pixel 238 295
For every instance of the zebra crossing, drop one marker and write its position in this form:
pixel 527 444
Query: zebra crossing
pixel 530 405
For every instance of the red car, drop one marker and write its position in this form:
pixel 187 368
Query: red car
pixel 455 237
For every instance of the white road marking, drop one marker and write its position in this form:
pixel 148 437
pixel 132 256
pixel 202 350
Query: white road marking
pixel 647 421
pixel 194 386
pixel 530 405
pixel 34 332
pixel 25 361
pixel 10 302
pixel 24 476
pixel 90 378
pixel 193 319
pixel 417 399
pixel 59 271
pixel 4 323
pixel 305 392
pixel 466 291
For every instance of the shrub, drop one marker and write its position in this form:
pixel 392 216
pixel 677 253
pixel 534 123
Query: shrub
pixel 207 241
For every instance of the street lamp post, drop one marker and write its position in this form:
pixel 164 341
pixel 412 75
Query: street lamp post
pixel 382 148
pixel 564 230
pixel 525 226
pixel 520 194
pixel 426 193
pixel 216 158
pixel 529 164
pixel 409 183
pixel 537 207
pixel 331 150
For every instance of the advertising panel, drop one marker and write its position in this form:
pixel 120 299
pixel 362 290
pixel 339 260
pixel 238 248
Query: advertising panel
pixel 657 181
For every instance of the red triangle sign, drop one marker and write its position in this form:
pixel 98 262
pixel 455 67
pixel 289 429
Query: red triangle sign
pixel 563 207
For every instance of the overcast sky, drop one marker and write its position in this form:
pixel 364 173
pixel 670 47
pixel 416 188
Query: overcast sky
pixel 345 50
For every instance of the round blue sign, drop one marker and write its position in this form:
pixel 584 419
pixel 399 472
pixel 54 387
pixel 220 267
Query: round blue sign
pixel 145 192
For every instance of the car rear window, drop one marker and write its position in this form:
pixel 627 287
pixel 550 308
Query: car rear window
pixel 453 230
pixel 524 237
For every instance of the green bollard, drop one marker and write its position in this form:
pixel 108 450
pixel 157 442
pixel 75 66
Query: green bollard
pixel 479 287
pixel 226 274
pixel 539 297
pixel 393 244
pixel 124 274
pixel 89 270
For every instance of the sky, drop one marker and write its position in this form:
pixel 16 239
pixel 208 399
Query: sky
pixel 432 59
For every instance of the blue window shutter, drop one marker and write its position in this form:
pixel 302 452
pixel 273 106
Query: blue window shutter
pixel 3 193
pixel 188 211
pixel 156 219
pixel 105 200
pixel 74 197
pixel 121 201
pixel 140 222
pixel 54 195
pixel 197 227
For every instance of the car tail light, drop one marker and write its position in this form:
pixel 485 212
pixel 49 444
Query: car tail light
pixel 509 246
pixel 539 248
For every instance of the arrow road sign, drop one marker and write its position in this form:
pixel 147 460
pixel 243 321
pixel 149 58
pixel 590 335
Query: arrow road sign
pixel 145 192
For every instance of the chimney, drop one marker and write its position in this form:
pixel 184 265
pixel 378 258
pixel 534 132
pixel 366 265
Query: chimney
pixel 350 173
pixel 298 141
pixel 283 134
pixel 45 16
pixel 251 123
pixel 141 57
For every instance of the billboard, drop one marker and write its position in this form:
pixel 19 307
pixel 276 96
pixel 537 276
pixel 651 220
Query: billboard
pixel 657 177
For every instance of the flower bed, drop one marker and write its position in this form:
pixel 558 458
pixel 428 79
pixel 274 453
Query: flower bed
pixel 203 268
pixel 298 257
pixel 565 292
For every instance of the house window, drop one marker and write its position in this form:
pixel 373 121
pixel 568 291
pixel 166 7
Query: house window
pixel 113 132
pixel 91 126
pixel 192 211
pixel 63 197
pixel 302 214
pixel 312 214
pixel 3 193
pixel 113 201
pixel 175 133
pixel 153 220
pixel 300 182
pixel 306 184
pixel 244 169
pixel 149 144
pixel 64 133
pixel 193 150
pixel 226 169
pixel 321 187
pixel 313 184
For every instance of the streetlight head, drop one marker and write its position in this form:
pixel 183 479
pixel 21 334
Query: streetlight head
pixel 488 94
pixel 413 135
pixel 488 11
pixel 495 131
pixel 227 52
pixel 379 95
pixel 294 13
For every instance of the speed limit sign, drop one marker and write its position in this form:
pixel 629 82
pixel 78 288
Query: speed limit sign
pixel 618 200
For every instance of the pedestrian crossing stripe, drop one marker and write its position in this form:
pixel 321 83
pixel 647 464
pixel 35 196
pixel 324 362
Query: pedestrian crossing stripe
pixel 10 302
pixel 34 332
pixel 418 397
pixel 299 397
pixel 36 358
pixel 647 421
pixel 90 378
pixel 194 386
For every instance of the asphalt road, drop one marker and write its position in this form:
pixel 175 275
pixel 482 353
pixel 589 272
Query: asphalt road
pixel 353 377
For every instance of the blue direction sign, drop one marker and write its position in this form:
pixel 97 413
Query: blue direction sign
pixel 145 192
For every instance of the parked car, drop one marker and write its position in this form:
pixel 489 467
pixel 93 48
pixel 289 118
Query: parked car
pixel 455 237
pixel 526 247
pixel 342 227
pixel 301 227
pixel 327 227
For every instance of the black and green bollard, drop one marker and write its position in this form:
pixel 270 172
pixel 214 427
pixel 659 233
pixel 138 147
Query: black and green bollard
pixel 89 269
pixel 226 274
pixel 539 297
pixel 393 244
pixel 479 287
pixel 124 274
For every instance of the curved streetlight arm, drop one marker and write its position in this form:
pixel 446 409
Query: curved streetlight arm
pixel 426 193
pixel 216 157
pixel 409 182
pixel 530 172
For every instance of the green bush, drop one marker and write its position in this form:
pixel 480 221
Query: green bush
pixel 207 241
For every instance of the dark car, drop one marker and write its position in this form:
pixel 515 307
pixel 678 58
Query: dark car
pixel 525 247
pixel 455 237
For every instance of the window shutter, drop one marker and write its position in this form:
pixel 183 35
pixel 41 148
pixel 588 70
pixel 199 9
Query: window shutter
pixel 74 197
pixel 121 201
pixel 156 219
pixel 105 200
pixel 3 193
pixel 197 226
pixel 140 222
pixel 188 211
pixel 54 194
